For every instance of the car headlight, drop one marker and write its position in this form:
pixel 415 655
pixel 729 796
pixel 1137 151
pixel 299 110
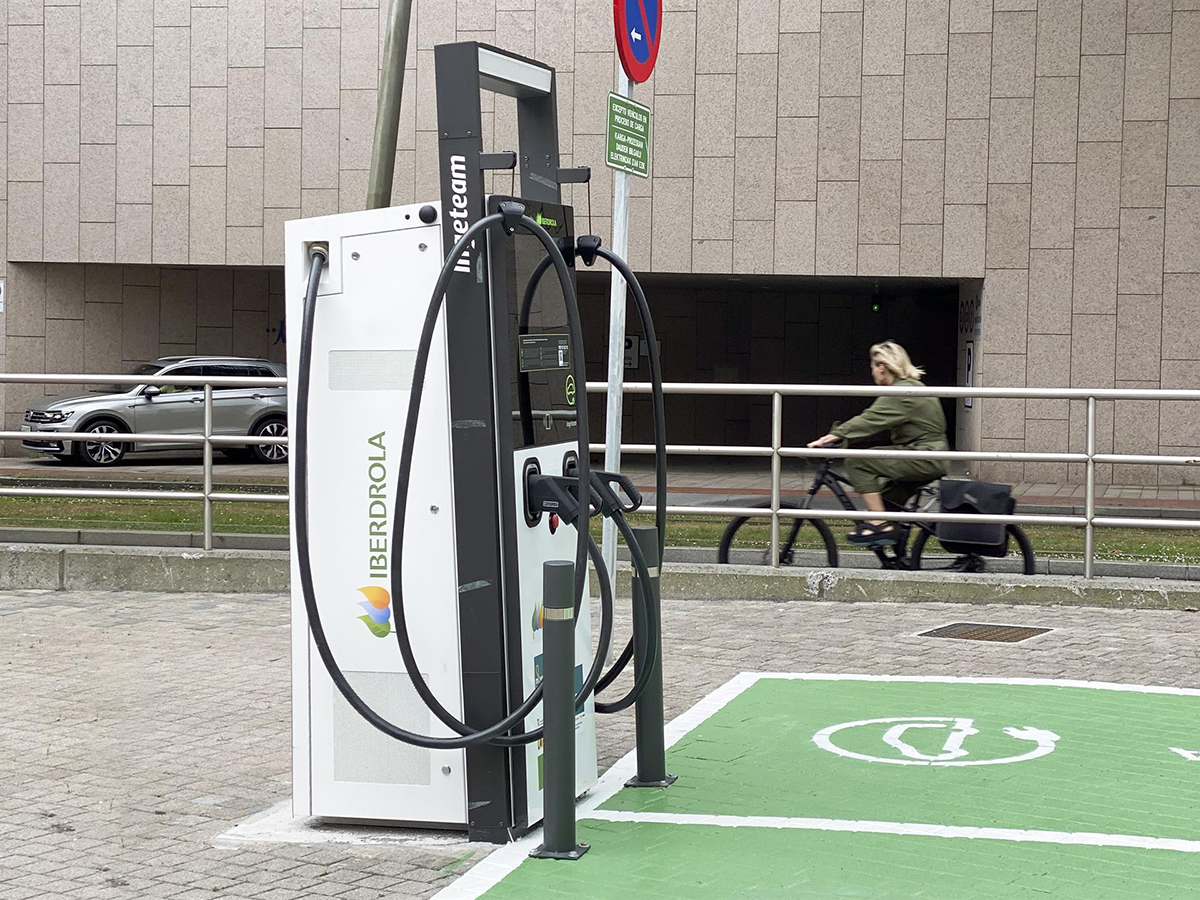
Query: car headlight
pixel 55 416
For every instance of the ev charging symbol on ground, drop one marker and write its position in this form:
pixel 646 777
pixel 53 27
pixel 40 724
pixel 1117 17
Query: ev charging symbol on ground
pixel 955 746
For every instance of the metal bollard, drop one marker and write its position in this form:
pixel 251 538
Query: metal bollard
pixel 648 712
pixel 558 713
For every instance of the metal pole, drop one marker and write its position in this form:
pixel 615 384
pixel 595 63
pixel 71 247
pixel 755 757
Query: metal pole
pixel 776 472
pixel 1089 530
pixel 387 113
pixel 208 450
pixel 648 711
pixel 616 348
pixel 558 712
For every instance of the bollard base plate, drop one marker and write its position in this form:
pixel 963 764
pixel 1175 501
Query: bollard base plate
pixel 636 782
pixel 542 853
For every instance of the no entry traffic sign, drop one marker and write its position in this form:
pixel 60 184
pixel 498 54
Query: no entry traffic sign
pixel 639 33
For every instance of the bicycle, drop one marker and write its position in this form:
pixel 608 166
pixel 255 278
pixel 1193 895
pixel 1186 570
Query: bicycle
pixel 922 497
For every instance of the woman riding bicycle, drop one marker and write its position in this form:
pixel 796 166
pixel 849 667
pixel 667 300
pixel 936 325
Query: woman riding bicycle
pixel 915 423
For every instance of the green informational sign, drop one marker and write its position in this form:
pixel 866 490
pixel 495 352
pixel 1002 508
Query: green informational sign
pixel 628 136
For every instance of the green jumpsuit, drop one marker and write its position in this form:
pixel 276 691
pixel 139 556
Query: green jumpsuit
pixel 915 423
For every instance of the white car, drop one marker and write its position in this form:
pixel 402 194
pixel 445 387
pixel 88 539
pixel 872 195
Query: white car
pixel 168 409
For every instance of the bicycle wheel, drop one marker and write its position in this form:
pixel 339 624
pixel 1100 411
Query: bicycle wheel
pixel 756 536
pixel 1028 561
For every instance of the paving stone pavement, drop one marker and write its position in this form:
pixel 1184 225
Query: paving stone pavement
pixel 135 728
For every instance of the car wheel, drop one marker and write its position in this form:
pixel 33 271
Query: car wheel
pixel 270 453
pixel 100 453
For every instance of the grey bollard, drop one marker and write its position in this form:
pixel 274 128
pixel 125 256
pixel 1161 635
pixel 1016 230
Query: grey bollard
pixel 558 713
pixel 648 712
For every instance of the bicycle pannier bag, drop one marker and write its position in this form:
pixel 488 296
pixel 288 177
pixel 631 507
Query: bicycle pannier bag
pixel 978 497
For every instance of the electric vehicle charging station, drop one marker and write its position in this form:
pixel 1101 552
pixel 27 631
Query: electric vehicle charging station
pixel 499 421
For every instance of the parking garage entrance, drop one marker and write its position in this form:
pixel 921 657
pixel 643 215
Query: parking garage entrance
pixel 772 329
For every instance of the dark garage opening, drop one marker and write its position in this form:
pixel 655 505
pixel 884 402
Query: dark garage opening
pixel 770 329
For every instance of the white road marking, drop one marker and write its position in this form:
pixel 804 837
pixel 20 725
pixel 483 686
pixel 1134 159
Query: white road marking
pixel 1076 838
pixel 953 749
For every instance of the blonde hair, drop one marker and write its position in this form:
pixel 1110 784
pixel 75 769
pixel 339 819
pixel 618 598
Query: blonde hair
pixel 895 358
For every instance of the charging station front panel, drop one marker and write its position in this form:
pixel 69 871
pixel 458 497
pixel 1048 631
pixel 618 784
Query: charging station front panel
pixel 534 546
pixel 383 265
pixel 537 415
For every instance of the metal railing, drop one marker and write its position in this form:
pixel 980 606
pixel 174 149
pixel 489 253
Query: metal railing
pixel 207 439
pixel 776 452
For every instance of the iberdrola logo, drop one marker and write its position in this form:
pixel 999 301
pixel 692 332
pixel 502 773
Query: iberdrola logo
pixel 539 617
pixel 379 610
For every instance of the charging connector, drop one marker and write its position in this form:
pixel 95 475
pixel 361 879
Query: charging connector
pixel 558 495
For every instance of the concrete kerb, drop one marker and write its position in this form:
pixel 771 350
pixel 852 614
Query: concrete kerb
pixel 711 581
pixel 158 569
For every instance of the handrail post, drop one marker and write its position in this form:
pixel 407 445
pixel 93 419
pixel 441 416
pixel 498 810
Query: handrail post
pixel 1089 530
pixel 208 459
pixel 776 472
pixel 648 712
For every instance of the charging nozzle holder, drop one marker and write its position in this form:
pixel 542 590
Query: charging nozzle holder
pixel 512 213
pixel 587 246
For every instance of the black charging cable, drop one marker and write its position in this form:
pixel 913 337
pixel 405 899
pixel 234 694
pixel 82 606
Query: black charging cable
pixel 588 248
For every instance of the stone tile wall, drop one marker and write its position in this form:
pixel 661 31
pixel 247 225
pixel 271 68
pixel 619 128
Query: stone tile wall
pixel 1051 147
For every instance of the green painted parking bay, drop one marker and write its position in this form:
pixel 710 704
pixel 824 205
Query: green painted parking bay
pixel 868 787
pixel 1106 761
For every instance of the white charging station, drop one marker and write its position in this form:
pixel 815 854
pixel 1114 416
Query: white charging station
pixel 373 296
pixel 499 403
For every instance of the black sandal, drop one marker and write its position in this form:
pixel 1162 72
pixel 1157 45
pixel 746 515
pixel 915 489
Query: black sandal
pixel 873 535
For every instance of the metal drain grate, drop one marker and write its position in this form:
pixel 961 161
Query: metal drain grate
pixel 977 631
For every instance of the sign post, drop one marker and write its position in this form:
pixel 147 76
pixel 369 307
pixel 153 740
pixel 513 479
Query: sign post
pixel 638 27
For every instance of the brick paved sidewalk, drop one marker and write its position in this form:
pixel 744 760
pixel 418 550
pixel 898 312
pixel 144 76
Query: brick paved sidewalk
pixel 135 728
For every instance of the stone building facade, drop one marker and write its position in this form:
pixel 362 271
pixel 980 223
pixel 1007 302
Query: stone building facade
pixel 1044 154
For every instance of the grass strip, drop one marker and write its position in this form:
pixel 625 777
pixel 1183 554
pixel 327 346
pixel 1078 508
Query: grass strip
pixel 1116 544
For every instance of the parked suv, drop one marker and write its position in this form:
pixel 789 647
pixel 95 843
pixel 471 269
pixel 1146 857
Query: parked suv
pixel 168 409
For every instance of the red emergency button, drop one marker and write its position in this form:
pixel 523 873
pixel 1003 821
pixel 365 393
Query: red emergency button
pixel 553 522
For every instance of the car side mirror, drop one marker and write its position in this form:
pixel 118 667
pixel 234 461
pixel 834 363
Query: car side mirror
pixel 152 391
